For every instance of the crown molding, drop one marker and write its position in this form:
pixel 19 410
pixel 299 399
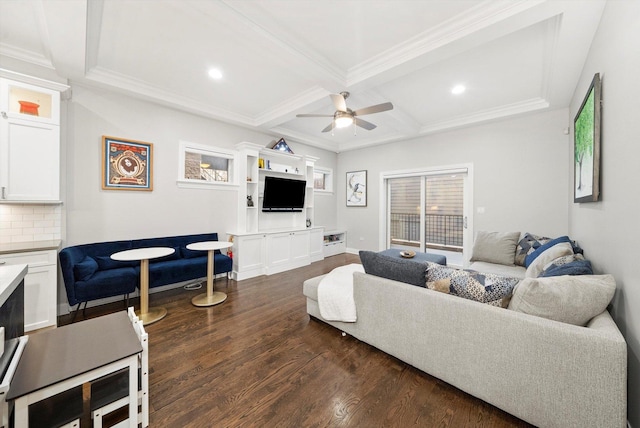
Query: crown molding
pixel 27 56
pixel 290 105
pixel 484 15
pixel 501 112
pixel 143 90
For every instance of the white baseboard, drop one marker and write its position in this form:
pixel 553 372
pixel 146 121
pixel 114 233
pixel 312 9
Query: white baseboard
pixel 64 308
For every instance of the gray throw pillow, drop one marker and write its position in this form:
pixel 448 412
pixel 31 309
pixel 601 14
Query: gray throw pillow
pixel 397 269
pixel 495 247
pixel 570 299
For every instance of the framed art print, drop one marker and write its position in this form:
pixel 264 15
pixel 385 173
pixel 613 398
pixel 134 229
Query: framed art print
pixel 126 164
pixel 586 145
pixel 357 188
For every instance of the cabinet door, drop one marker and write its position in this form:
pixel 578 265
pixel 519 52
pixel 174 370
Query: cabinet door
pixel 29 102
pixel 40 298
pixel 316 248
pixel 249 253
pixel 278 251
pixel 40 287
pixel 30 160
pixel 300 243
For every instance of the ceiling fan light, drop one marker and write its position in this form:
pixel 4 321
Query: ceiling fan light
pixel 343 121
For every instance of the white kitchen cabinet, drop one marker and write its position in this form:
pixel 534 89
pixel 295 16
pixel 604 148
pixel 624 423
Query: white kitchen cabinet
pixel 40 286
pixel 29 140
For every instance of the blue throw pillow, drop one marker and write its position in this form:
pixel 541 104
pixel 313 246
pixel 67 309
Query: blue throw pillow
pixel 541 249
pixel 397 269
pixel 85 269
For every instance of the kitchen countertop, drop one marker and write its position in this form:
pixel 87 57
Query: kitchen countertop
pixel 10 277
pixel 22 247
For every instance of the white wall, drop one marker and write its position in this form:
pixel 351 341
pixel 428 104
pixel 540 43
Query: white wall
pixel 94 215
pixel 91 214
pixel 520 175
pixel 608 229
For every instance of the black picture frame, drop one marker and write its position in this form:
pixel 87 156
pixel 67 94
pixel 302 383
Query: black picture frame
pixel 587 127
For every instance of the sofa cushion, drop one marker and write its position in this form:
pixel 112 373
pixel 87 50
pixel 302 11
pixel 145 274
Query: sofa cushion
pixel 502 270
pixel 527 245
pixel 85 269
pixel 495 247
pixel 107 283
pixel 570 299
pixel 481 287
pixel 547 256
pixel 396 269
pixel 542 248
pixel 574 264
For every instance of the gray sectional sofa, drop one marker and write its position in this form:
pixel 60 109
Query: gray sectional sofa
pixel 546 372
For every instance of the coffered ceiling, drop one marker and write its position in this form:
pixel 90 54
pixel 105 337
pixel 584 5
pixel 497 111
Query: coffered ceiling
pixel 283 57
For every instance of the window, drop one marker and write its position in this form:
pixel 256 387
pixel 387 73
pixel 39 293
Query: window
pixel 205 166
pixel 323 180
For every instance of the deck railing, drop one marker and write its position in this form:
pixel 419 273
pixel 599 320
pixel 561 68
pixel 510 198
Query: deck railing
pixel 441 231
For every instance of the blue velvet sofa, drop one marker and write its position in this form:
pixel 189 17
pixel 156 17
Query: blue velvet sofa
pixel 89 273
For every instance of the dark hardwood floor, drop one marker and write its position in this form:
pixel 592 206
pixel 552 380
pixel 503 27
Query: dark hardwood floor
pixel 259 360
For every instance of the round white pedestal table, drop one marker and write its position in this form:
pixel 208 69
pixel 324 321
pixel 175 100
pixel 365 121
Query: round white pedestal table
pixel 147 315
pixel 211 297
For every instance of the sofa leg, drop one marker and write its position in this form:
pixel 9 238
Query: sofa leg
pixel 75 313
pixel 126 301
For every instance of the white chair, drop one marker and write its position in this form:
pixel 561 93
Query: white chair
pixel 111 391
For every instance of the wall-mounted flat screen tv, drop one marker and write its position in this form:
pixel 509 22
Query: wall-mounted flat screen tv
pixel 283 194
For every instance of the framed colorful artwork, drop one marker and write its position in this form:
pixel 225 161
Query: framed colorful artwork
pixel 357 188
pixel 126 164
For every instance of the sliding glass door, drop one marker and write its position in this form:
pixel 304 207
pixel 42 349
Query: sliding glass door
pixel 426 211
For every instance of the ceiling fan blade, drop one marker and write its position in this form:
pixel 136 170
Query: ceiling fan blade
pixel 339 102
pixel 364 124
pixel 329 127
pixel 313 115
pixel 373 109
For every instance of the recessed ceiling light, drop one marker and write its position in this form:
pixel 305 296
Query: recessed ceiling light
pixel 215 73
pixel 458 89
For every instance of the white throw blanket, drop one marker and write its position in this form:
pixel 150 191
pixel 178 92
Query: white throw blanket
pixel 335 294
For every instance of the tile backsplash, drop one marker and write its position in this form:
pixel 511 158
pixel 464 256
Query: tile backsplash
pixel 30 222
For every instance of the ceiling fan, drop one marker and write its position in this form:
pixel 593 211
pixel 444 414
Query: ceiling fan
pixel 344 116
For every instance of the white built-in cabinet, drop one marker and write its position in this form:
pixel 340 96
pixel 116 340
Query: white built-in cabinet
pixel 40 289
pixel 268 243
pixel 29 139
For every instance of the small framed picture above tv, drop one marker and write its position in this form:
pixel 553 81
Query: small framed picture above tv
pixel 586 145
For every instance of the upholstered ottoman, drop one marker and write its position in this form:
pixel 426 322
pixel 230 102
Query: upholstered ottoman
pixel 419 257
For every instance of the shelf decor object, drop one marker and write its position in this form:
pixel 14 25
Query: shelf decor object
pixel 357 188
pixel 126 164
pixel 282 146
pixel 586 145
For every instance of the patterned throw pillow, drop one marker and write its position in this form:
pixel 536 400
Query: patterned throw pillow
pixel 482 287
pixel 527 245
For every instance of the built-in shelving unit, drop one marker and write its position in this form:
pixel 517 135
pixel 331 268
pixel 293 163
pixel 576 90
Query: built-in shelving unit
pixel 334 242
pixel 271 242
